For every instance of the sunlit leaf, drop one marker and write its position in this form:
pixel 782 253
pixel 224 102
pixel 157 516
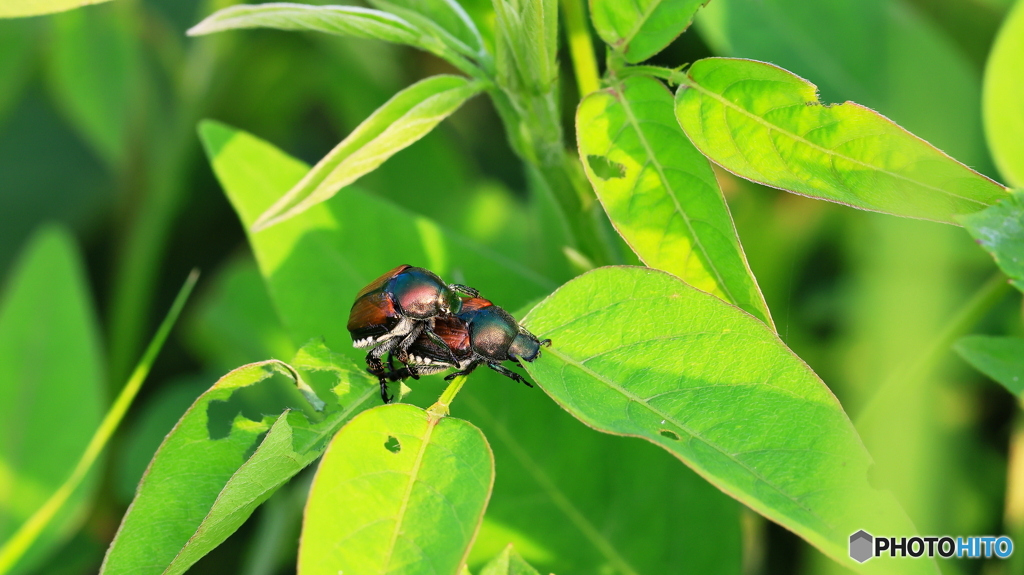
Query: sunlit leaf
pixel 538 482
pixel 316 262
pixel 1001 358
pixel 1000 230
pixel 397 491
pixel 643 28
pixel 52 380
pixel 95 74
pixel 660 192
pixel 445 19
pixel 354 21
pixel 885 55
pixel 508 562
pixel 637 352
pixel 1003 98
pixel 767 125
pixel 222 460
pixel 405 118
pixel 17 8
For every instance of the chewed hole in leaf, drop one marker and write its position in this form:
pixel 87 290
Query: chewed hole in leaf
pixel 669 434
pixel 605 168
pixel 270 396
pixel 392 444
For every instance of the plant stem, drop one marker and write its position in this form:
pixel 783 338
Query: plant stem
pixel 1013 514
pixel 581 47
pixel 987 296
pixel 19 543
pixel 440 408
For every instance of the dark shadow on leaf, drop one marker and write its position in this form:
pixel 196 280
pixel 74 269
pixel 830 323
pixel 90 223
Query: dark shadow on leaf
pixel 604 168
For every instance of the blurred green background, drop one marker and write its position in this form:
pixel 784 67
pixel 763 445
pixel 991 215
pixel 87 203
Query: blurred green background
pixel 98 109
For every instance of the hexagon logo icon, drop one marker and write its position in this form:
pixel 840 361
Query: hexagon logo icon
pixel 861 544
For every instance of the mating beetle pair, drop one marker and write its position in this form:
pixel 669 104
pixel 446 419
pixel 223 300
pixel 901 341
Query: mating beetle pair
pixel 431 326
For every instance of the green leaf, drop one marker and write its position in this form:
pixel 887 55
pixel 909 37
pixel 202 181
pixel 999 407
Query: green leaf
pixel 53 380
pixel 767 125
pixel 637 352
pixel 354 21
pixel 405 118
pixel 1000 358
pixel 1003 98
pixel 291 256
pixel 641 29
pixel 444 19
pixel 537 483
pixel 1000 230
pixel 885 55
pixel 242 456
pixel 156 418
pixel 19 8
pixel 660 192
pixel 397 491
pixel 95 72
pixel 508 562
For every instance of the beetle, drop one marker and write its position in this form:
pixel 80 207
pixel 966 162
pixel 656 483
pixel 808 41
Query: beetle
pixel 481 333
pixel 395 309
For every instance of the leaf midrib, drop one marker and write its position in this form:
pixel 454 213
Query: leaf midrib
pixel 413 475
pixel 691 83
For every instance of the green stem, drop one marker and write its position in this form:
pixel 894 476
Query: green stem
pixel 983 300
pixel 672 76
pixel 19 543
pixel 581 47
pixel 441 407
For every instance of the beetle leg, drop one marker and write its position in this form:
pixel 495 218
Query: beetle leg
pixel 469 369
pixel 384 391
pixel 509 373
pixel 373 358
pixel 471 292
pixel 443 345
pixel 407 341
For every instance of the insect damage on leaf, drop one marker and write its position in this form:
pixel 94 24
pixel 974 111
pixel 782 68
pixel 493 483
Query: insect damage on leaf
pixel 605 168
pixel 392 444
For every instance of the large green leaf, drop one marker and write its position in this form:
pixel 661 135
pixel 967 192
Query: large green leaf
pixel 52 380
pixel 1000 230
pixel 660 192
pixel 881 54
pixel 574 507
pixel 508 562
pixel 767 125
pixel 1001 358
pixel 641 29
pixel 222 460
pixel 405 118
pixel 95 73
pixel 637 352
pixel 397 491
pixel 316 262
pixel 1003 98
pixel 18 8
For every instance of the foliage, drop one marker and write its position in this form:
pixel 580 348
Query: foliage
pixel 785 360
